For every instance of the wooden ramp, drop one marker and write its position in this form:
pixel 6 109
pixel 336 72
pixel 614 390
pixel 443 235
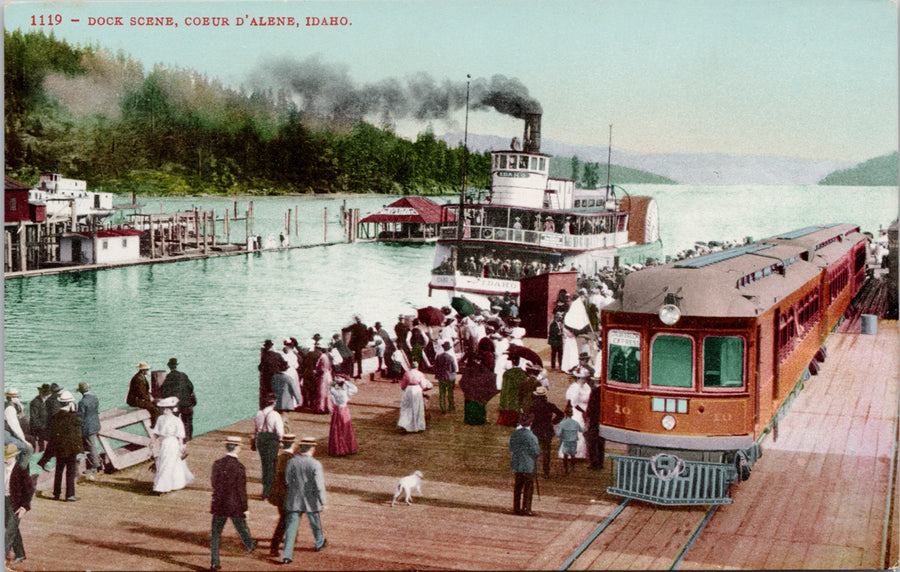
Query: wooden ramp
pixel 120 448
pixel 816 499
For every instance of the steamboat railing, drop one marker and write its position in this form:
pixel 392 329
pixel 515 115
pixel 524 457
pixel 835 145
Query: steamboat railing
pixel 536 238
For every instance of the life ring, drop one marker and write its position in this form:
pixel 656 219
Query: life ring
pixel 486 233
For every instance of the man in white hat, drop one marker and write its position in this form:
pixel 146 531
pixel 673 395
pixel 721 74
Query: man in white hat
pixel 14 414
pixel 305 494
pixel 65 445
pixel 139 392
pixel 229 500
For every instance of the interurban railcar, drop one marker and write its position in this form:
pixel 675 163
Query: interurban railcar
pixel 702 357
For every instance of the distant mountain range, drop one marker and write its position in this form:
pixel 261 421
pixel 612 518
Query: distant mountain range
pixel 711 168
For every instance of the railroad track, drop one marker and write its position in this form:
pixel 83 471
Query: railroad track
pixel 619 510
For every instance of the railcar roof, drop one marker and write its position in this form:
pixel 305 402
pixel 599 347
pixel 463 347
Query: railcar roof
pixel 712 285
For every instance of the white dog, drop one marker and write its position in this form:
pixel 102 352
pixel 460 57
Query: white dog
pixel 407 484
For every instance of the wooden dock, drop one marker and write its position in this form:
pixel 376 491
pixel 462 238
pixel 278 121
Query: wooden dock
pixel 820 497
pixel 214 252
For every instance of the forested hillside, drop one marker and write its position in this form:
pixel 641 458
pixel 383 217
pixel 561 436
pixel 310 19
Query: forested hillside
pixel 592 175
pixel 101 117
pixel 880 171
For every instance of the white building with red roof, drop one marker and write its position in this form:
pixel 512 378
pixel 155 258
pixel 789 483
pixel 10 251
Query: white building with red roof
pixel 113 246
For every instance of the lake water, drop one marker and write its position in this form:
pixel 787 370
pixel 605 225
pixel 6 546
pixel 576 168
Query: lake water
pixel 213 314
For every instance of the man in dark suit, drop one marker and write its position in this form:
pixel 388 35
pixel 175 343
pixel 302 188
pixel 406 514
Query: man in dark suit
pixel 525 450
pixel 229 500
pixel 65 445
pixel 89 412
pixel 305 494
pixel 544 416
pixel 267 368
pixel 139 393
pixel 555 340
pixel 359 338
pixel 38 418
pixel 178 385
pixel 19 492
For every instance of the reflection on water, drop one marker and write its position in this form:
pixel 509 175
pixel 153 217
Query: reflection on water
pixel 214 314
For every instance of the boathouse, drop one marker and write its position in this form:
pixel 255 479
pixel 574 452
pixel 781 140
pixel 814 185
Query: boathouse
pixel 100 246
pixel 410 219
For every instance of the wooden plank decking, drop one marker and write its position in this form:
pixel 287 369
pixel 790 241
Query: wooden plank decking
pixel 815 500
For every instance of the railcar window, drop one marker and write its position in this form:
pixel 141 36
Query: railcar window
pixel 624 357
pixel 723 361
pixel 672 361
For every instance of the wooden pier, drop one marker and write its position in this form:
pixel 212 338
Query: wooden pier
pixel 823 496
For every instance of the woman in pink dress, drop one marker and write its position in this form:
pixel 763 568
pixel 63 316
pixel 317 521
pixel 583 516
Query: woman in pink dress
pixel 341 438
pixel 321 402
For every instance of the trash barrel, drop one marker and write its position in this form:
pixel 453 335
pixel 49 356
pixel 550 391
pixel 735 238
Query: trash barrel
pixel 869 324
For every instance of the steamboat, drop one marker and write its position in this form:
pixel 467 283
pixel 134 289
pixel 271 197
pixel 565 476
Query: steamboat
pixel 532 224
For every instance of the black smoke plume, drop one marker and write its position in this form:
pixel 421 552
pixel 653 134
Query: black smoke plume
pixel 327 90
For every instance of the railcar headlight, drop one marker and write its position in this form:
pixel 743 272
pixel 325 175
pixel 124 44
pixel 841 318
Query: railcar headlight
pixel 668 422
pixel 669 314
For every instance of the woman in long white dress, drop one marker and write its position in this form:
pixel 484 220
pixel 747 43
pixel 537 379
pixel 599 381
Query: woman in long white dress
pixel 172 472
pixel 412 405
pixel 569 350
pixel 577 396
pixel 289 353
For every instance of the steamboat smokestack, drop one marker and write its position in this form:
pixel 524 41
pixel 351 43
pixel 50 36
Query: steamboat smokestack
pixel 531 140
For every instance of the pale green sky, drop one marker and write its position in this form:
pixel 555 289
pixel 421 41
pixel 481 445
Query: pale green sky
pixel 813 79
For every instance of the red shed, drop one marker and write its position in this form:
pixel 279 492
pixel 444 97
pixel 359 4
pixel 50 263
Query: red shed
pixel 537 298
pixel 16 204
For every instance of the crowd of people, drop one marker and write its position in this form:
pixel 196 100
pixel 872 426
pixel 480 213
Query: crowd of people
pixel 481 350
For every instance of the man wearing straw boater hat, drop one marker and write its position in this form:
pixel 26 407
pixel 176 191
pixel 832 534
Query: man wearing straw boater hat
pixel 545 415
pixel 139 393
pixel 229 500
pixel 279 490
pixel 305 494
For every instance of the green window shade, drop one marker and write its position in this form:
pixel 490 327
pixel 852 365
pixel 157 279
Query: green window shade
pixel 671 361
pixel 723 361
